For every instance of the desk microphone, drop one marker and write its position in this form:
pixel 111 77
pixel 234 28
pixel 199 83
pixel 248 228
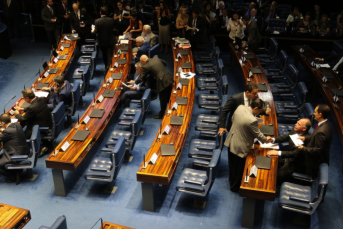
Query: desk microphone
pixel 8 103
pixel 102 223
pixel 29 80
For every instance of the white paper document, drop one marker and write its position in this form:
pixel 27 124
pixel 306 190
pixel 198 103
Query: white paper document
pixel 324 65
pixel 124 41
pixel 14 120
pixel 295 140
pixel 187 75
pixel 43 94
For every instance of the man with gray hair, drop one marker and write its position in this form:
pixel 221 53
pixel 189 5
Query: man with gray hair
pixel 221 6
pixel 136 90
pixel 62 92
pixel 143 48
pixel 148 35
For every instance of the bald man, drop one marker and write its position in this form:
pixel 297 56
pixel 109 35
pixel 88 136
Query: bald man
pixel 291 160
pixel 156 68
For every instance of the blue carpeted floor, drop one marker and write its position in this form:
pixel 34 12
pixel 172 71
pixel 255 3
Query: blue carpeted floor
pixel 86 202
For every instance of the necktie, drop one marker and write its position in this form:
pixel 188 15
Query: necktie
pixel 316 127
pixel 77 15
pixel 193 23
pixel 8 3
pixel 339 62
pixel 52 12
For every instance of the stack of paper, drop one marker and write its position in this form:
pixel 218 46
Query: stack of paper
pixel 295 140
pixel 43 94
pixel 187 75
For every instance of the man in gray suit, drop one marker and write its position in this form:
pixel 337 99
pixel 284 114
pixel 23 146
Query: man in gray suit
pixel 164 80
pixel 148 35
pixel 240 139
pixel 254 36
pixel 14 143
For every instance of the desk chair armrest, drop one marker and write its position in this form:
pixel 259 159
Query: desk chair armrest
pixel 204 148
pixel 192 182
pixel 94 55
pixel 298 199
pixel 290 106
pixel 283 86
pixel 43 129
pixel 210 80
pixel 136 101
pixel 208 133
pixel 273 70
pixel 202 163
pixel 19 157
pixel 100 169
pixel 302 177
pixel 287 95
pixel 210 121
pixel 273 77
pixel 212 88
pixel 295 116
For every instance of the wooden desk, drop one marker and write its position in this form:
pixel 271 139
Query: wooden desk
pixel 107 225
pixel 77 151
pixel 163 170
pixel 13 217
pixel 263 187
pixel 63 66
pixel 325 88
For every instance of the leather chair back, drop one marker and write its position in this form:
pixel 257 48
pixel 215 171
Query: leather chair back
pixel 58 120
pixel 35 142
pixel 75 98
pixel 283 60
pixel 154 51
pixel 300 94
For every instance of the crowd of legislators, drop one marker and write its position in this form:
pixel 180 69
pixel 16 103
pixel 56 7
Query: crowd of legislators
pixel 168 17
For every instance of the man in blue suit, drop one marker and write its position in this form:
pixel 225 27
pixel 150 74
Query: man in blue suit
pixel 143 48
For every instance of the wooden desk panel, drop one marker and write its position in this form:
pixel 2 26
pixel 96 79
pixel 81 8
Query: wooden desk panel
pixel 264 185
pixel 336 82
pixel 107 225
pixel 13 217
pixel 77 150
pixel 162 171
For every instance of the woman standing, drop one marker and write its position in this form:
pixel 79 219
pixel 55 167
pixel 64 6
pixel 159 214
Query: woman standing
pixel 135 27
pixel 182 22
pixel 235 27
pixel 164 28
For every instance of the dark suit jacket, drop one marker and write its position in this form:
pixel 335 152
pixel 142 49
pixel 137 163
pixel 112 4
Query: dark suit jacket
pixel 143 50
pixel 47 16
pixel 317 150
pixel 258 21
pixel 157 69
pixel 75 21
pixel 64 94
pixel 14 141
pixel 104 28
pixel 37 113
pixel 254 39
pixel 199 37
pixel 266 13
pixel 221 25
pixel 296 159
pixel 61 11
pixel 12 11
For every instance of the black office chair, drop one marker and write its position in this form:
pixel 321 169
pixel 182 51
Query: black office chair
pixel 277 70
pixel 269 53
pixel 82 75
pixel 305 199
pixel 288 83
pixel 75 99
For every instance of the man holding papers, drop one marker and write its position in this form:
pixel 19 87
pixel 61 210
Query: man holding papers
pixel 291 160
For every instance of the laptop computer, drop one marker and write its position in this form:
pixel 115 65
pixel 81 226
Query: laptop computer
pixel 256 70
pixel 109 93
pixel 80 135
pixel 60 57
pixel 328 75
pixel 337 92
pixel 184 81
pixel 176 120
pixel 262 162
pixel 167 150
pixel 262 87
pixel 97 113
pixel 181 100
pixel 121 61
pixel 184 52
pixel 124 48
pixel 187 65
pixel 41 85
pixel 51 70
pixel 116 76
pixel 66 45
pixel 267 129
pixel 249 56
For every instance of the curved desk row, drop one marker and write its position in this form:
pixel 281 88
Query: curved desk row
pixel 70 152
pixel 162 171
pixel 333 82
pixel 62 65
pixel 263 187
pixel 13 217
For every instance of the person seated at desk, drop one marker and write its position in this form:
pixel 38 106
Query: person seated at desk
pixel 148 35
pixel 14 142
pixel 338 67
pixel 291 160
pixel 294 15
pixel 305 25
pixel 135 26
pixel 136 90
pixel 37 113
pixel 143 48
pixel 62 92
pixel 323 28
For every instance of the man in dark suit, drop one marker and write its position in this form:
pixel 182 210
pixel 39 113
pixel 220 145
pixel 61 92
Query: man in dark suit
pixel 79 23
pixel 291 160
pixel 136 90
pixel 257 18
pixel 49 17
pixel 270 13
pixel 254 36
pixel 156 68
pixel 196 29
pixel 223 21
pixel 14 143
pixel 317 149
pixel 63 14
pixel 247 11
pixel 12 11
pixel 62 92
pixel 241 139
pixel 243 98
pixel 143 48
pixel 104 27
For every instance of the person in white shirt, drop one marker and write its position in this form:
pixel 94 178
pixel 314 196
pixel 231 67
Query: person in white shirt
pixel 236 27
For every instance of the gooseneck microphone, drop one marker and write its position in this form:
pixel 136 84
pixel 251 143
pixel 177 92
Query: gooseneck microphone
pixel 8 103
pixel 31 79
